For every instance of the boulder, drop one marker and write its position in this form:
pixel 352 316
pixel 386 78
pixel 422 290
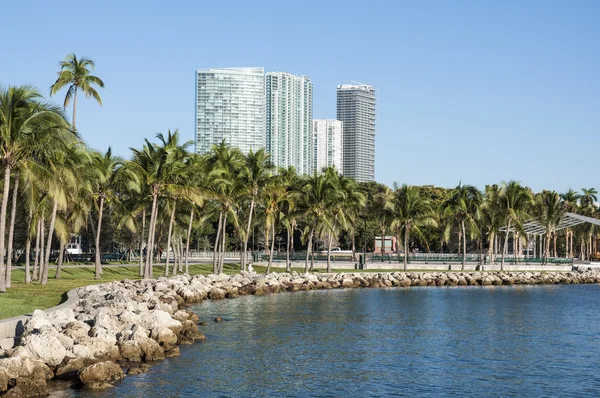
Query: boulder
pixel 136 370
pixel 151 350
pixel 155 318
pixel 46 348
pixel 131 351
pixel 101 375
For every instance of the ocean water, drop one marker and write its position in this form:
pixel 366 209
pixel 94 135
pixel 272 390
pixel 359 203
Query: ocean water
pixel 462 341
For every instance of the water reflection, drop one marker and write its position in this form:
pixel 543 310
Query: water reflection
pixel 498 341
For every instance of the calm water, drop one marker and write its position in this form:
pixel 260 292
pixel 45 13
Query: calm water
pixel 493 341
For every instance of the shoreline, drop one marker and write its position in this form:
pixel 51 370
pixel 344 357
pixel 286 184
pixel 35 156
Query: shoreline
pixel 131 324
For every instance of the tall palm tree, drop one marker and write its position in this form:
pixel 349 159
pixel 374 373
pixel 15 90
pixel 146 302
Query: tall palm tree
pixel 381 208
pixel 514 206
pixel 588 197
pixel 549 210
pixel 315 195
pixel 491 217
pixel 290 179
pixel 462 206
pixel 76 74
pixel 111 176
pixel 411 210
pixel 570 200
pixel 23 117
pixel 255 173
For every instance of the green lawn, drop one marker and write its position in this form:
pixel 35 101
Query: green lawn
pixel 23 298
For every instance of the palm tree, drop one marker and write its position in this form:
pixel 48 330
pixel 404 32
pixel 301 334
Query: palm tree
pixel 491 217
pixel 570 199
pixel 23 118
pixel 462 206
pixel 514 206
pixel 289 179
pixel 226 187
pixel 315 195
pixel 549 210
pixel 255 173
pixel 411 210
pixel 76 74
pixel 588 197
pixel 381 208
pixel 111 176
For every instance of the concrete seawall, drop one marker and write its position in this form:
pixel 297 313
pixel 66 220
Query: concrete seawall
pixel 12 328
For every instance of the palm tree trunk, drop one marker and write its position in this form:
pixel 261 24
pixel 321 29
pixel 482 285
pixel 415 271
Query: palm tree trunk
pixel 46 264
pixel 217 239
pixel 554 239
pixel 490 252
pixel 59 262
pixel 36 260
pixel 142 241
pixel 223 236
pixel 11 232
pixel 28 250
pixel 308 249
pixel 505 247
pixel 329 238
pixel 547 251
pixel 98 273
pixel 272 248
pixel 406 240
pixel 382 243
pixel 288 267
pixel 464 233
pixel 243 265
pixel 180 256
pixel 150 243
pixel 187 243
pixel 171 221
pixel 3 226
pixel 567 244
pixel 75 109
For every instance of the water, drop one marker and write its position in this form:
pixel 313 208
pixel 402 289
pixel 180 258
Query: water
pixel 492 341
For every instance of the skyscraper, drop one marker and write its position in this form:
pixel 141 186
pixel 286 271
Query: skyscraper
pixel 356 110
pixel 230 105
pixel 289 121
pixel 328 144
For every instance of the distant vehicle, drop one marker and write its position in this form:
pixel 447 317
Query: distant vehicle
pixel 337 250
pixel 74 246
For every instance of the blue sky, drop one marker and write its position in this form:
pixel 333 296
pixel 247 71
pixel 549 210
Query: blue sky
pixel 473 91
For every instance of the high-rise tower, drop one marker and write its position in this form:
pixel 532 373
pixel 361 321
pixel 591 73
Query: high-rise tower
pixel 289 137
pixel 230 105
pixel 356 110
pixel 328 144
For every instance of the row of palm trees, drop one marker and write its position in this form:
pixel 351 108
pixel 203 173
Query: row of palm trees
pixel 164 193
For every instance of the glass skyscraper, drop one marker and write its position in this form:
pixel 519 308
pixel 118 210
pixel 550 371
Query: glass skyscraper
pixel 328 144
pixel 230 105
pixel 356 110
pixel 289 137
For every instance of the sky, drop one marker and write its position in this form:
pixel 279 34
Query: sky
pixel 476 91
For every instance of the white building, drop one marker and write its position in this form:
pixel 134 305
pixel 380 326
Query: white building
pixel 230 105
pixel 356 109
pixel 289 137
pixel 328 140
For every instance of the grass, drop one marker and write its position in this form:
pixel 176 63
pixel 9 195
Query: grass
pixel 24 298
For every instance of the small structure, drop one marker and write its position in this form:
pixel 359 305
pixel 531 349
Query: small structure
pixel 390 244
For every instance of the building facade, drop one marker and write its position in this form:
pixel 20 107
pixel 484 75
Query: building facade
pixel 328 144
pixel 356 110
pixel 289 137
pixel 230 106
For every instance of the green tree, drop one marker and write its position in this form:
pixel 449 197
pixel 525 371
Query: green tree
pixel 411 210
pixel 549 210
pixel 76 74
pixel 514 207
pixel 462 206
pixel 23 118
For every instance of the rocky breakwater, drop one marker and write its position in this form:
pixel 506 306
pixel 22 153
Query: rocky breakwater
pixel 129 323
pixel 114 326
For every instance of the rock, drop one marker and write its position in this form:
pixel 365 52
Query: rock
pixel 217 294
pixel 164 337
pixel 136 370
pixel 101 375
pixel 172 352
pixel 131 351
pixel 151 350
pixel 153 319
pixel 218 319
pixel 46 348
pixel 70 370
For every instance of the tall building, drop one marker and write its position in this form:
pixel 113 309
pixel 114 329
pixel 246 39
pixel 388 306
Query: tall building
pixel 328 144
pixel 289 121
pixel 356 110
pixel 230 105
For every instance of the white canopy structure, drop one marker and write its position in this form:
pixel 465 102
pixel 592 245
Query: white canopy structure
pixel 568 220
